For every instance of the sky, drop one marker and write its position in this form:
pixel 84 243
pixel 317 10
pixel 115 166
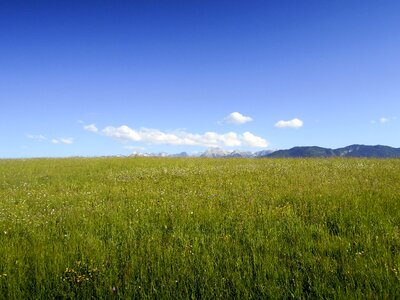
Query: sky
pixel 93 78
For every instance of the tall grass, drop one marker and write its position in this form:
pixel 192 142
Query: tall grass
pixel 157 228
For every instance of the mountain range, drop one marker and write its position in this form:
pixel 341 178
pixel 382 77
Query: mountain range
pixel 377 151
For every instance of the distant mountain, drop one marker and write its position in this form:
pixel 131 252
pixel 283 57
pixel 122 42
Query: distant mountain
pixel 312 151
pixel 212 152
pixel 263 153
pixel 160 154
pixel 182 154
pixel 215 152
pixel 236 153
pixel 349 151
pixel 303 152
pixel 368 151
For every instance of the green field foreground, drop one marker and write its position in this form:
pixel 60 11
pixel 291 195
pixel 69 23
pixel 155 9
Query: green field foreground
pixel 192 228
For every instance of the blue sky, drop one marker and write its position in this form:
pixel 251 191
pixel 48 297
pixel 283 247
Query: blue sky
pixel 113 77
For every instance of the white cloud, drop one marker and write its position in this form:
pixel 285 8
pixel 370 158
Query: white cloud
pixel 180 137
pixel 54 141
pixel 230 139
pixel 295 123
pixel 122 133
pixel 135 148
pixel 251 140
pixel 66 141
pixel 91 128
pixel 37 137
pixel 383 120
pixel 237 118
pixel 155 136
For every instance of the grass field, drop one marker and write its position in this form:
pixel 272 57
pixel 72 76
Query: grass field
pixel 157 228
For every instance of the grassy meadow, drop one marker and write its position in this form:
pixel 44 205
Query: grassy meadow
pixel 193 228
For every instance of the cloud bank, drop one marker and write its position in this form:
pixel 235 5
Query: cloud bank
pixel 208 139
pixel 295 123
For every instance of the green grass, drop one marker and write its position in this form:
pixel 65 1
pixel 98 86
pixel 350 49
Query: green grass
pixel 154 228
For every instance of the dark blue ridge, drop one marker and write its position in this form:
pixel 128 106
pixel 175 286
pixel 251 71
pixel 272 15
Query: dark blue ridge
pixel 377 151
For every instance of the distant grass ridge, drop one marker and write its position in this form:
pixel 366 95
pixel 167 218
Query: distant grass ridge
pixel 179 228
